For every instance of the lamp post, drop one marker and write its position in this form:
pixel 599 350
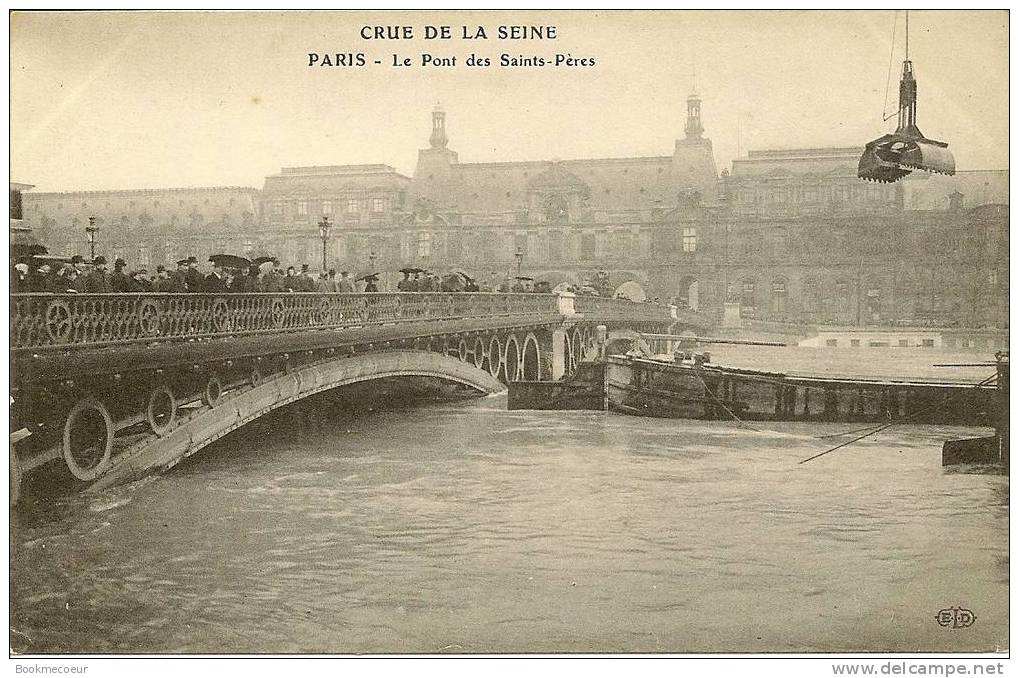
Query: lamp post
pixel 323 231
pixel 90 235
pixel 519 254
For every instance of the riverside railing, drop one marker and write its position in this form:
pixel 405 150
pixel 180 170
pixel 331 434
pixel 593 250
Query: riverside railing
pixel 41 320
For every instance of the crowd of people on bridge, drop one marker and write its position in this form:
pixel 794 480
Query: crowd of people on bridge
pixel 60 275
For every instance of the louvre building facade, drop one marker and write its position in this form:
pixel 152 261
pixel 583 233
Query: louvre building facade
pixel 789 235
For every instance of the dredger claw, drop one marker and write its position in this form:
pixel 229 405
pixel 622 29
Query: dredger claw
pixel 893 156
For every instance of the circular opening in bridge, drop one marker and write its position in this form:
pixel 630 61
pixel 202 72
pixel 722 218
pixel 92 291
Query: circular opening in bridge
pixel 511 359
pixel 479 353
pixel 162 410
pixel 494 357
pixel 88 439
pixel 213 391
pixel 531 359
pixel 631 290
pixel 462 350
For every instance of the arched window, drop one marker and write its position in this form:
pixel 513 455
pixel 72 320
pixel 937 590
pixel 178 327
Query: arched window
pixel 811 295
pixel 778 296
pixel 748 296
pixel 841 296
pixel 873 301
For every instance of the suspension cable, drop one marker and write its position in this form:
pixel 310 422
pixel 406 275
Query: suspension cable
pixel 888 82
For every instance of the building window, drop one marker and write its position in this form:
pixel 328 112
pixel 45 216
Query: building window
pixel 352 206
pixel 302 208
pixel 587 246
pixel 143 256
pixel 854 342
pixel 904 343
pixel 277 208
pixel 378 205
pixel 425 245
pixel 927 343
pixel 842 295
pixel 748 298
pixel 832 343
pixel 778 296
pixel 689 239
pixel 874 303
pixel 327 207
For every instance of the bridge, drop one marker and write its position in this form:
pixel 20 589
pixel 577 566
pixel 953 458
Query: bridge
pixel 112 386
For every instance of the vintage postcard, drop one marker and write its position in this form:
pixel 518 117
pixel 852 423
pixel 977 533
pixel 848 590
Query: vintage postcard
pixel 492 332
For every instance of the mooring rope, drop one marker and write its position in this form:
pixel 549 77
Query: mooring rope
pixel 696 369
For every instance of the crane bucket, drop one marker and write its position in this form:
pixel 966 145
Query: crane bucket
pixel 893 156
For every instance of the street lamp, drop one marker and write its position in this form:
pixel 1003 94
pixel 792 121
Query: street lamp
pixel 90 235
pixel 323 231
pixel 519 254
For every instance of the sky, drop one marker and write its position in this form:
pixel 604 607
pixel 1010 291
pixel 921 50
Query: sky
pixel 122 100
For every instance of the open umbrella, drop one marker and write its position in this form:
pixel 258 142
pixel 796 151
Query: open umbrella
pixel 258 261
pixel 367 276
pixel 465 276
pixel 229 261
pixel 412 270
pixel 523 277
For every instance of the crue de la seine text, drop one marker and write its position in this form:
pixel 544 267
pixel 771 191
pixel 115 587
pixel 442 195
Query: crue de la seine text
pixel 383 34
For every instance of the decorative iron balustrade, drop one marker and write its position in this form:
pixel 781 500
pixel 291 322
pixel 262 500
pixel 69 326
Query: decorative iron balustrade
pixel 606 308
pixel 66 320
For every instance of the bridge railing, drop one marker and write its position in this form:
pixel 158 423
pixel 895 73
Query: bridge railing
pixel 607 308
pixel 65 320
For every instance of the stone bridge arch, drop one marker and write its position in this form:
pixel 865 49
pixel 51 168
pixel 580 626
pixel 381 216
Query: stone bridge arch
pixel 231 413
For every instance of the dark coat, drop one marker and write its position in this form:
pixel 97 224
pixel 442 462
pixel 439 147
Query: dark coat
pixel 213 284
pixel 194 280
pixel 120 282
pixel 98 282
pixel 178 282
pixel 292 283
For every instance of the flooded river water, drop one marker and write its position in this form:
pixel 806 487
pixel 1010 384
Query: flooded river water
pixel 462 527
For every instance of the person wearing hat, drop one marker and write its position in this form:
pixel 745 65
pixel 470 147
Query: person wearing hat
pixel 193 279
pixel 322 284
pixel 43 280
pixel 268 281
pixel 119 281
pixel 404 285
pixel 178 278
pixel 140 281
pixel 370 284
pixel 306 283
pixel 344 284
pixel 247 283
pixel 98 281
pixel 68 279
pixel 291 282
pixel 216 281
pixel 19 278
pixel 332 281
pixel 78 262
pixel 160 281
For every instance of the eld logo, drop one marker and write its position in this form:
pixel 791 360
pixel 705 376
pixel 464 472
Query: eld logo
pixel 956 617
